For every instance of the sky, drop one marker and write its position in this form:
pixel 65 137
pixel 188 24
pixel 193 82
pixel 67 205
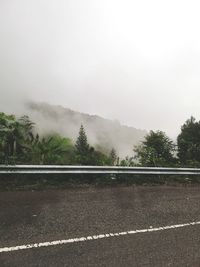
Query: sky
pixel 133 61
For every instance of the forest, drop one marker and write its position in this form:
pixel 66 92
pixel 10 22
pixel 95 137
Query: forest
pixel 21 144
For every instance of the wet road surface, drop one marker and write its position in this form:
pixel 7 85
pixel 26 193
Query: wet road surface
pixel 28 217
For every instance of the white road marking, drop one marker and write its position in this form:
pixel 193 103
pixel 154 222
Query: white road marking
pixel 95 237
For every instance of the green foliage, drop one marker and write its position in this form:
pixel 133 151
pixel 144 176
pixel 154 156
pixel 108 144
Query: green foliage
pixel 156 150
pixel 127 162
pixel 12 137
pixel 188 142
pixel 19 144
pixel 83 150
pixel 82 145
pixel 113 157
pixel 86 155
pixel 52 149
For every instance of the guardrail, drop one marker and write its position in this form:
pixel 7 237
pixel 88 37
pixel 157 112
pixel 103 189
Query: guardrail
pixel 59 169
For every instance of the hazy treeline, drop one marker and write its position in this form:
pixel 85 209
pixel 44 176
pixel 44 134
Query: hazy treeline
pixel 159 150
pixel 103 134
pixel 21 144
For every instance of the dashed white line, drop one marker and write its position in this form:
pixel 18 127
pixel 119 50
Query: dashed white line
pixel 95 237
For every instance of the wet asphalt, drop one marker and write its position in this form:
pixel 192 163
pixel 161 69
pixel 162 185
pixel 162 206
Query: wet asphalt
pixel 39 216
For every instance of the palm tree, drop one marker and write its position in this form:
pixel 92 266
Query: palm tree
pixel 10 135
pixel 48 150
pixel 14 136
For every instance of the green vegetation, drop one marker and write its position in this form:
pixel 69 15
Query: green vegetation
pixel 156 150
pixel 188 143
pixel 21 144
pixel 159 150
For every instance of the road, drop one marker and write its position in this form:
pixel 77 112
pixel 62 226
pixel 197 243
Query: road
pixel 33 217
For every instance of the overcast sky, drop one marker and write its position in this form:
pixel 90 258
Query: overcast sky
pixel 135 61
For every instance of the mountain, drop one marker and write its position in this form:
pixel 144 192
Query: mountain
pixel 102 133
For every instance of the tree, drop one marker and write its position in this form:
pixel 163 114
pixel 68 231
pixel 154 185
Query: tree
pixel 82 147
pixel 97 158
pixel 10 137
pixel 19 144
pixel 127 162
pixel 52 149
pixel 26 128
pixel 156 150
pixel 188 142
pixel 113 156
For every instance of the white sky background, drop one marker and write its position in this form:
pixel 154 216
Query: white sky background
pixel 135 61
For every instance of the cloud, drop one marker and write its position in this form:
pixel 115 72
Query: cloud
pixel 136 61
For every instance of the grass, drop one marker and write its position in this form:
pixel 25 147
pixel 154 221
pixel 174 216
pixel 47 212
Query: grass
pixel 60 181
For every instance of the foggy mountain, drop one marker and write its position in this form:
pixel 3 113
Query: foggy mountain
pixel 103 134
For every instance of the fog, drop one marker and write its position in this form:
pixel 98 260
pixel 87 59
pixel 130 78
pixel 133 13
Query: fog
pixel 134 61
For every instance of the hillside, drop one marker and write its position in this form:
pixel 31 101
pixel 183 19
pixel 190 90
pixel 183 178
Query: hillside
pixel 102 133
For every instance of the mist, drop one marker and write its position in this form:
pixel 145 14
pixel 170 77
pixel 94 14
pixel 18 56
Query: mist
pixel 134 61
pixel 102 134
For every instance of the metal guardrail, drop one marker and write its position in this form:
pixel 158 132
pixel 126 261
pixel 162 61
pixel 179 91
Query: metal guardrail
pixel 59 169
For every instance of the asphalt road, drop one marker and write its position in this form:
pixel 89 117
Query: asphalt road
pixel 34 217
